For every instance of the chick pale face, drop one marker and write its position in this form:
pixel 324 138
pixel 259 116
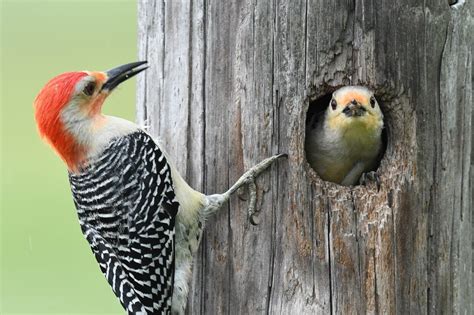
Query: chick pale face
pixel 347 141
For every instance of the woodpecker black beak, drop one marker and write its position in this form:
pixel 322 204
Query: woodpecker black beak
pixel 117 75
pixel 354 109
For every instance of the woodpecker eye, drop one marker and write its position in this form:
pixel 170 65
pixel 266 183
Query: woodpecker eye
pixel 89 89
pixel 333 104
pixel 372 102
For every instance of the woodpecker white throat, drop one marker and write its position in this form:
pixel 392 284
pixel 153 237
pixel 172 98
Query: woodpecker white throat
pixel 346 141
pixel 142 220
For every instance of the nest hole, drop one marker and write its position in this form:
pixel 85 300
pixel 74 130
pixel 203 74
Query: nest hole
pixel 316 114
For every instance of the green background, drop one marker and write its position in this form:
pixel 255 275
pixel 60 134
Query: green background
pixel 46 264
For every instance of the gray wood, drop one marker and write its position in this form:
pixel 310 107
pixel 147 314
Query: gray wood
pixel 230 83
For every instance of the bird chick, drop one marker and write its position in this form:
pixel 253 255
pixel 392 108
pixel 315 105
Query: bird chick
pixel 346 141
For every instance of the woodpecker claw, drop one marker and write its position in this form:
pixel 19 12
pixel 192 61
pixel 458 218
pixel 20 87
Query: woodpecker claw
pixel 365 178
pixel 252 212
pixel 254 220
pixel 248 178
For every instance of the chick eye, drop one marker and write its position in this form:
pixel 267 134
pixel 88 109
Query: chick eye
pixel 89 89
pixel 372 102
pixel 333 104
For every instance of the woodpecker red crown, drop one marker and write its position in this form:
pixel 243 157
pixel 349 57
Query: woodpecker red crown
pixel 59 92
pixel 48 105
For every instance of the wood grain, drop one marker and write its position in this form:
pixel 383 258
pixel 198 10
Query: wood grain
pixel 230 83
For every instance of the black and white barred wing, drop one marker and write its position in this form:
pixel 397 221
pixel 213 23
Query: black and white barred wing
pixel 127 207
pixel 114 272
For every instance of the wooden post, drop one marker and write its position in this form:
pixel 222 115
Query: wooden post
pixel 230 83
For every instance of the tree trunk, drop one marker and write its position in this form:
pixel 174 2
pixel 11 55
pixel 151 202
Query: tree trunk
pixel 230 83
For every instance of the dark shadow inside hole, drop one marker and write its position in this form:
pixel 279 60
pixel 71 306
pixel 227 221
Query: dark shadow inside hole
pixel 316 110
pixel 316 113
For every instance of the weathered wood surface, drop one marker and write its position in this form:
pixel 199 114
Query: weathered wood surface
pixel 230 83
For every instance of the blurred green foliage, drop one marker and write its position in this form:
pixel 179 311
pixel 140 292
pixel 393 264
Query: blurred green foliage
pixel 46 264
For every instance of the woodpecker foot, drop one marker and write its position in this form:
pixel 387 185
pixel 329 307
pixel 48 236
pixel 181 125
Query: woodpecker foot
pixel 252 211
pixel 243 194
pixel 253 173
pixel 249 178
pixel 368 177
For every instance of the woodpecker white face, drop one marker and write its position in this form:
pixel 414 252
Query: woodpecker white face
pixel 68 112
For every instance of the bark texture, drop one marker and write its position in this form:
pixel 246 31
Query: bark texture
pixel 230 83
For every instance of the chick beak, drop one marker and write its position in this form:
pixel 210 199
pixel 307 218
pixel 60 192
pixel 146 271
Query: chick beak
pixel 354 109
pixel 122 73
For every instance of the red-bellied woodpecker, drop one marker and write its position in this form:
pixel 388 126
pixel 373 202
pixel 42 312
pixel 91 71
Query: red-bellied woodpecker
pixel 346 141
pixel 141 219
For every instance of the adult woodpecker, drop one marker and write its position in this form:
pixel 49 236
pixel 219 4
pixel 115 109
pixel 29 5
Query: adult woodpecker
pixel 141 219
pixel 346 142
